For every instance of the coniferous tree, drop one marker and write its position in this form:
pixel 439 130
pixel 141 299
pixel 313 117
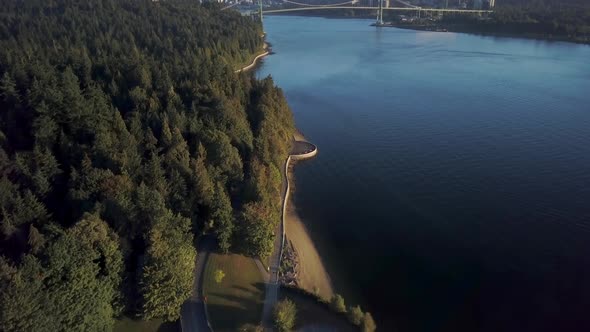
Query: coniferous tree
pixel 120 135
pixel 167 273
pixel 222 218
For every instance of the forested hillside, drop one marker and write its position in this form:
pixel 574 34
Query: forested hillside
pixel 544 3
pixel 548 19
pixel 125 134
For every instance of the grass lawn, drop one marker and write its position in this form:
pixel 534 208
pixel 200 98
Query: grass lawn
pixel 126 324
pixel 239 298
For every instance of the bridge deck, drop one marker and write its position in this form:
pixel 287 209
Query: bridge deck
pixel 439 10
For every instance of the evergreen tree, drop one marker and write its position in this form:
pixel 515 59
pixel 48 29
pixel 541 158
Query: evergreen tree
pixel 167 275
pixel 114 132
pixel 257 231
pixel 69 288
pixel 222 218
pixel 203 184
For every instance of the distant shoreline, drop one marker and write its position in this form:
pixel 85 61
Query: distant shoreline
pixel 473 31
pixel 452 28
pixel 313 276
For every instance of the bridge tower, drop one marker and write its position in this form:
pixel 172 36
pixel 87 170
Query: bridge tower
pixel 380 14
pixel 260 10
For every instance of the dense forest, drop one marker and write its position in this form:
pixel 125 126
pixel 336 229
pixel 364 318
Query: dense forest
pixel 546 19
pixel 551 19
pixel 124 135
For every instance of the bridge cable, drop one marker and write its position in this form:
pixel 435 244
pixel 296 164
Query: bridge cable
pixel 308 5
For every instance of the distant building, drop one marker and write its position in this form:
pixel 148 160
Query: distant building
pixel 477 4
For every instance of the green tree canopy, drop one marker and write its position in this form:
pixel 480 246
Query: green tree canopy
pixel 285 313
pixel 124 134
pixel 368 324
pixel 337 303
pixel 355 315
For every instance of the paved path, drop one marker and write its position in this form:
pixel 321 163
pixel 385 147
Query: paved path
pixel 261 55
pixel 272 285
pixel 193 314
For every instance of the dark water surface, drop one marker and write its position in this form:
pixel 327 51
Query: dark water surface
pixel 452 187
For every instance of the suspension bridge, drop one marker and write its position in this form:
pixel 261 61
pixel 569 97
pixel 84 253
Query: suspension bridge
pixel 353 4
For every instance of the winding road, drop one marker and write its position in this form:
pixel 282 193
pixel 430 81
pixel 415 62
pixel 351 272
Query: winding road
pixel 193 313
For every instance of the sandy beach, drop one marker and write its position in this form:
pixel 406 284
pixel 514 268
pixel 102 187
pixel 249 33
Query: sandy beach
pixel 312 272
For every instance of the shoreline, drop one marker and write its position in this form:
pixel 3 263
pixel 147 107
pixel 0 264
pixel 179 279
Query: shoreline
pixel 255 60
pixel 312 274
pixel 455 29
pixel 272 275
pixel 467 30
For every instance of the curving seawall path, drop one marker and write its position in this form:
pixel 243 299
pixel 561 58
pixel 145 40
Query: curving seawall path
pixel 194 313
pixel 301 150
pixel 259 56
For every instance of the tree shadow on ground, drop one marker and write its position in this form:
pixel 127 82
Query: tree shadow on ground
pixel 251 291
pixel 261 286
pixel 314 316
pixel 231 318
pixel 170 327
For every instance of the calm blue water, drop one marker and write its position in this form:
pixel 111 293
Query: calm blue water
pixel 452 187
